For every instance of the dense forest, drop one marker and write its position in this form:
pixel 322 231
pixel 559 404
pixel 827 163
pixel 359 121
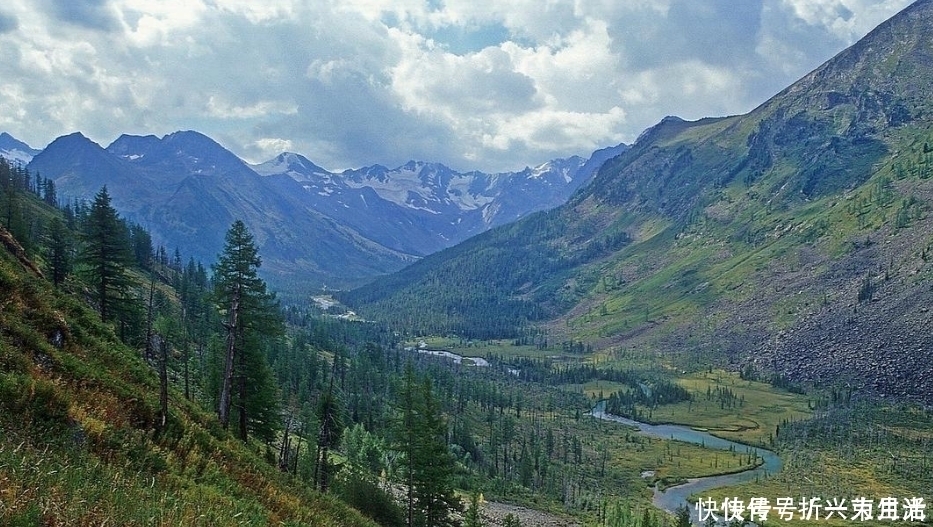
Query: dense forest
pixel 451 300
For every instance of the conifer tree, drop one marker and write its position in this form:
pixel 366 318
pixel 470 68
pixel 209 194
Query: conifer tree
pixel 142 246
pixel 471 516
pixel 331 428
pixel 251 318
pixel 195 315
pixel 59 251
pixel 105 256
pixel 429 464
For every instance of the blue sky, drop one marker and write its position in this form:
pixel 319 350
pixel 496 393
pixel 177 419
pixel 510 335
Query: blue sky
pixel 476 84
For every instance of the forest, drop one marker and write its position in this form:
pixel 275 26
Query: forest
pixel 451 300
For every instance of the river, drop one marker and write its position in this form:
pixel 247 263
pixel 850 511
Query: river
pixel 673 497
pixel 458 359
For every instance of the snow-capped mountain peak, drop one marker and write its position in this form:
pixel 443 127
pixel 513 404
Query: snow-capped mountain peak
pixel 297 166
pixel 15 150
pixel 437 189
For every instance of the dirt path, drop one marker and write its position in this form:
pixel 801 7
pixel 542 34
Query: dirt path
pixel 494 513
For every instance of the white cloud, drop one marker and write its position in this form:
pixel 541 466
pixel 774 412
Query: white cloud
pixel 557 129
pixel 846 19
pixel 270 147
pixel 221 109
pixel 356 82
pixel 156 22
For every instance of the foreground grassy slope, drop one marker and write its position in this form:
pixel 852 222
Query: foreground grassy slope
pixel 79 443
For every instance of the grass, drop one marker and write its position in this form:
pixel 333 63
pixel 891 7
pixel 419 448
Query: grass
pixel 760 409
pixel 667 462
pixel 78 441
pixel 884 452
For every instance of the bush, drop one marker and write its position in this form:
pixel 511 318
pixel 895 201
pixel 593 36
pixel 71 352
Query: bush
pixel 369 498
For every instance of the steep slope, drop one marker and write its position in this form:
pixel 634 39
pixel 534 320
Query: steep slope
pixel 187 190
pixel 794 237
pixel 78 437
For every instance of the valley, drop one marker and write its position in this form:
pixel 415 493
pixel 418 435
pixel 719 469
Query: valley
pixel 727 319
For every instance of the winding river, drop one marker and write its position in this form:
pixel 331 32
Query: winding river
pixel 673 497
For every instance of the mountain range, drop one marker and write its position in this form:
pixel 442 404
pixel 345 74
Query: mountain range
pixel 791 240
pixel 312 226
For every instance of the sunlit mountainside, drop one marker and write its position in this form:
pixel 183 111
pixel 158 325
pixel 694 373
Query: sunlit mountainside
pixel 794 238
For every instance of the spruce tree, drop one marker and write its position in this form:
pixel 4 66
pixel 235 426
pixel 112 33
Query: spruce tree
pixel 329 433
pixel 251 320
pixel 428 462
pixel 105 256
pixel 471 516
pixel 59 251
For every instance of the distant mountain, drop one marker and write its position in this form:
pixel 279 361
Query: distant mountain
pixel 187 190
pixel 794 239
pixel 420 208
pixel 15 150
pixel 312 226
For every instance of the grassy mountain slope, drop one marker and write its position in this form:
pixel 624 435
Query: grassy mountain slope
pixel 78 439
pixel 794 237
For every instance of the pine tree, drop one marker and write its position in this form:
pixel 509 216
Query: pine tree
pixel 195 315
pixel 142 246
pixel 471 516
pixel 328 415
pixel 105 256
pixel 59 251
pixel 251 319
pixel 429 464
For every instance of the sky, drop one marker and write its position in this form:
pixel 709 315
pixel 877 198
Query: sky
pixel 492 85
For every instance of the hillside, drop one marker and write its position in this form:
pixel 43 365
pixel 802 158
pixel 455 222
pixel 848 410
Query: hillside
pixel 79 441
pixel 793 238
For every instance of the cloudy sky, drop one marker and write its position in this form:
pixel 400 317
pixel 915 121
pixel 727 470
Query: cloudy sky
pixel 493 85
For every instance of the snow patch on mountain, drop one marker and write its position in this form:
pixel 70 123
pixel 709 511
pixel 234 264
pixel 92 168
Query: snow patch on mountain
pixel 439 191
pixel 423 186
pixel 15 150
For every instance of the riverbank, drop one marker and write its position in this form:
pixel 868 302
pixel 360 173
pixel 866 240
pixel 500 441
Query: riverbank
pixel 671 497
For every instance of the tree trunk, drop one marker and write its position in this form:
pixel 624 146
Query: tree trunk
pixel 163 382
pixel 149 314
pixel 243 418
pixel 187 375
pixel 223 410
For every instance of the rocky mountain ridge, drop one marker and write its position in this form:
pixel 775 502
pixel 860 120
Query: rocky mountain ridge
pixel 313 226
